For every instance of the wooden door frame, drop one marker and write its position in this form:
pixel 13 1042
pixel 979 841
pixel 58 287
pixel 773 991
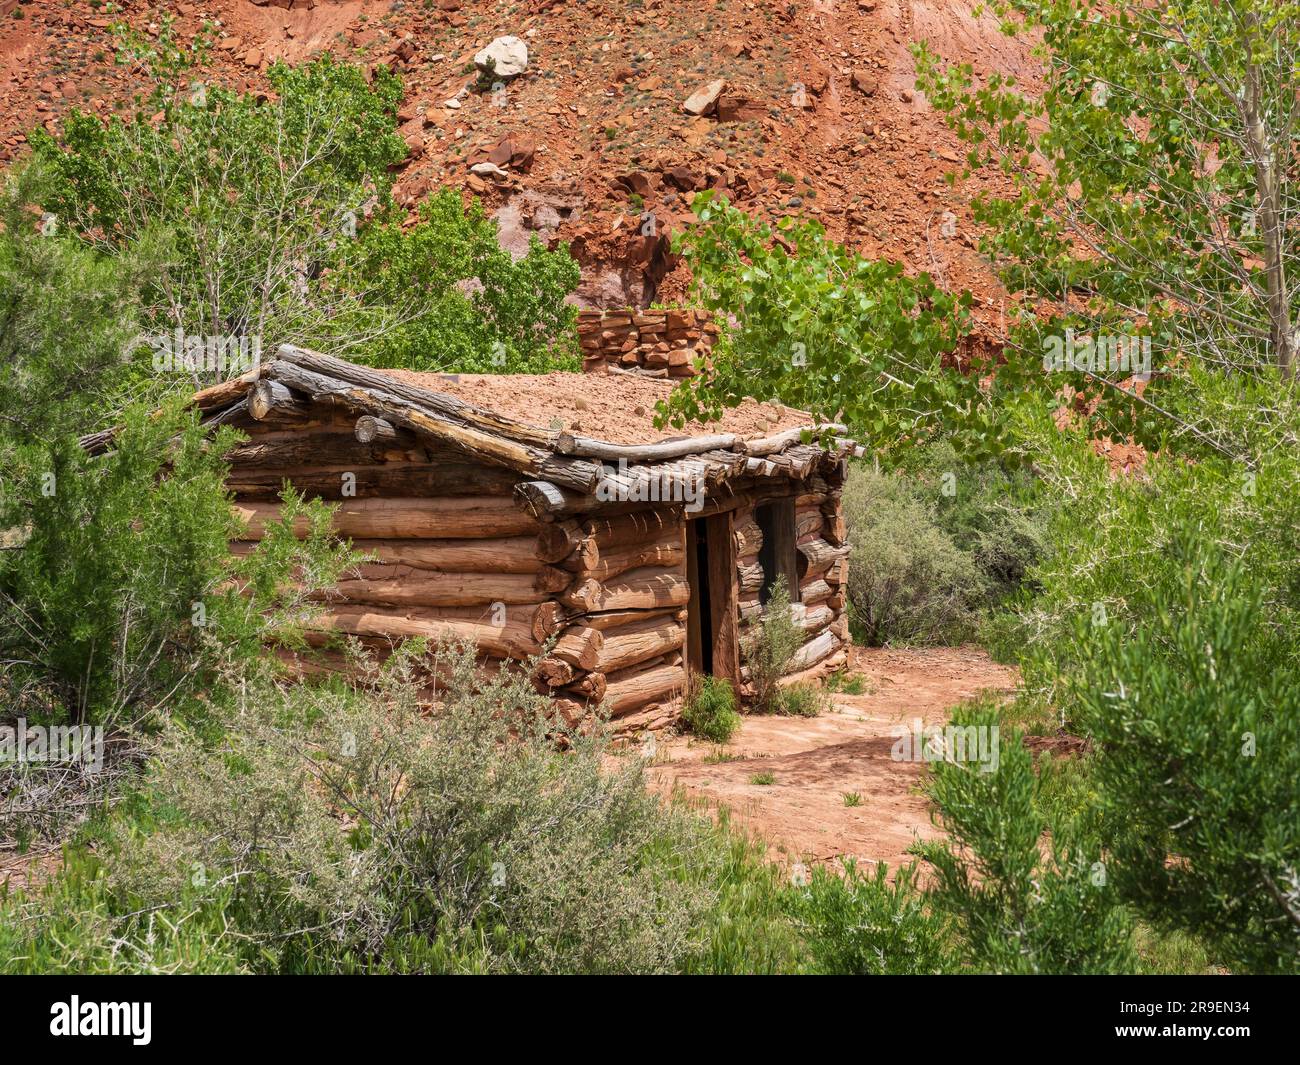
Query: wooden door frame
pixel 724 594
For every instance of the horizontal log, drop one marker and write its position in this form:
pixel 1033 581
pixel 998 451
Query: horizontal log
pixel 392 480
pixel 436 402
pixel 511 554
pixel 579 644
pixel 575 652
pixel 646 526
pixel 814 591
pixel 824 668
pixel 557 540
pixel 510 639
pixel 649 718
pixel 632 644
pixel 668 552
pixel 613 619
pixel 632 688
pixel 549 620
pixel 552 579
pixel 817 556
pixel 664 451
pixel 811 618
pixel 590 686
pixel 556 672
pixel 812 652
pixel 585 556
pixel 312 450
pixel 440 589
pixel 770 445
pixel 637 589
pixel 381 401
pixel 406 518
pixel 546 502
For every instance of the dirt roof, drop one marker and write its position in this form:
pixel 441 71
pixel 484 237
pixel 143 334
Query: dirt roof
pixel 618 408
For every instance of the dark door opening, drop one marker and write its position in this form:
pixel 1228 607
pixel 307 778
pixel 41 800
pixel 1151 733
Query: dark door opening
pixel 712 640
pixel 699 623
pixel 777 555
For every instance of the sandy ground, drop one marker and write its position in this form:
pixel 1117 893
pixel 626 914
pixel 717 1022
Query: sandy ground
pixel 816 761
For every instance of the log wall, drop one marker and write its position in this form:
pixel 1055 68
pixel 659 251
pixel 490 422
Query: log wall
pixel 599 598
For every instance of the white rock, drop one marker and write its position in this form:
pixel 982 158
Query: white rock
pixel 505 57
pixel 703 99
pixel 453 103
pixel 488 170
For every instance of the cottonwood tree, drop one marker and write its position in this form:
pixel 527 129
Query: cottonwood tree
pixel 813 325
pixel 1154 195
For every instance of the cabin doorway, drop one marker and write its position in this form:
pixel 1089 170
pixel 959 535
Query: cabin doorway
pixel 712 639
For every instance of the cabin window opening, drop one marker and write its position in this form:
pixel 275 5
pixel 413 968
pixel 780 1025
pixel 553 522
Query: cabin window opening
pixel 777 555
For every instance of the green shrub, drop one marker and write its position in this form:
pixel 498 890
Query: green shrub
pixel 908 580
pixel 997 513
pixel 709 708
pixel 848 683
pixel 1018 904
pixel 1192 710
pixel 940 543
pixel 276 222
pixel 123 591
pixel 801 700
pixel 866 926
pixel 767 649
pixel 336 829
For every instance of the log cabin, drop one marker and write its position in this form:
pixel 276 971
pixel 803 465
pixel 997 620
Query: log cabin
pixel 547 518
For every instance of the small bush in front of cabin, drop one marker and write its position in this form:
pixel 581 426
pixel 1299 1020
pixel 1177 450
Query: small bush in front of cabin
pixel 709 708
pixel 768 649
pixel 864 925
pixel 801 700
pixel 337 829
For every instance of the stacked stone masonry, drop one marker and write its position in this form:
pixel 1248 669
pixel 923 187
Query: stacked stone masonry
pixel 666 343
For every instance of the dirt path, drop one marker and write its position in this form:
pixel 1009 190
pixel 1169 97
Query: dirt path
pixel 815 762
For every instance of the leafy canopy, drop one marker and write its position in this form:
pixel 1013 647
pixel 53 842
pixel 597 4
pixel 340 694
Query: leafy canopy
pixel 277 223
pixel 822 329
pixel 1152 179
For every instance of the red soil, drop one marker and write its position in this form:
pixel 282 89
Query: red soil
pixel 817 761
